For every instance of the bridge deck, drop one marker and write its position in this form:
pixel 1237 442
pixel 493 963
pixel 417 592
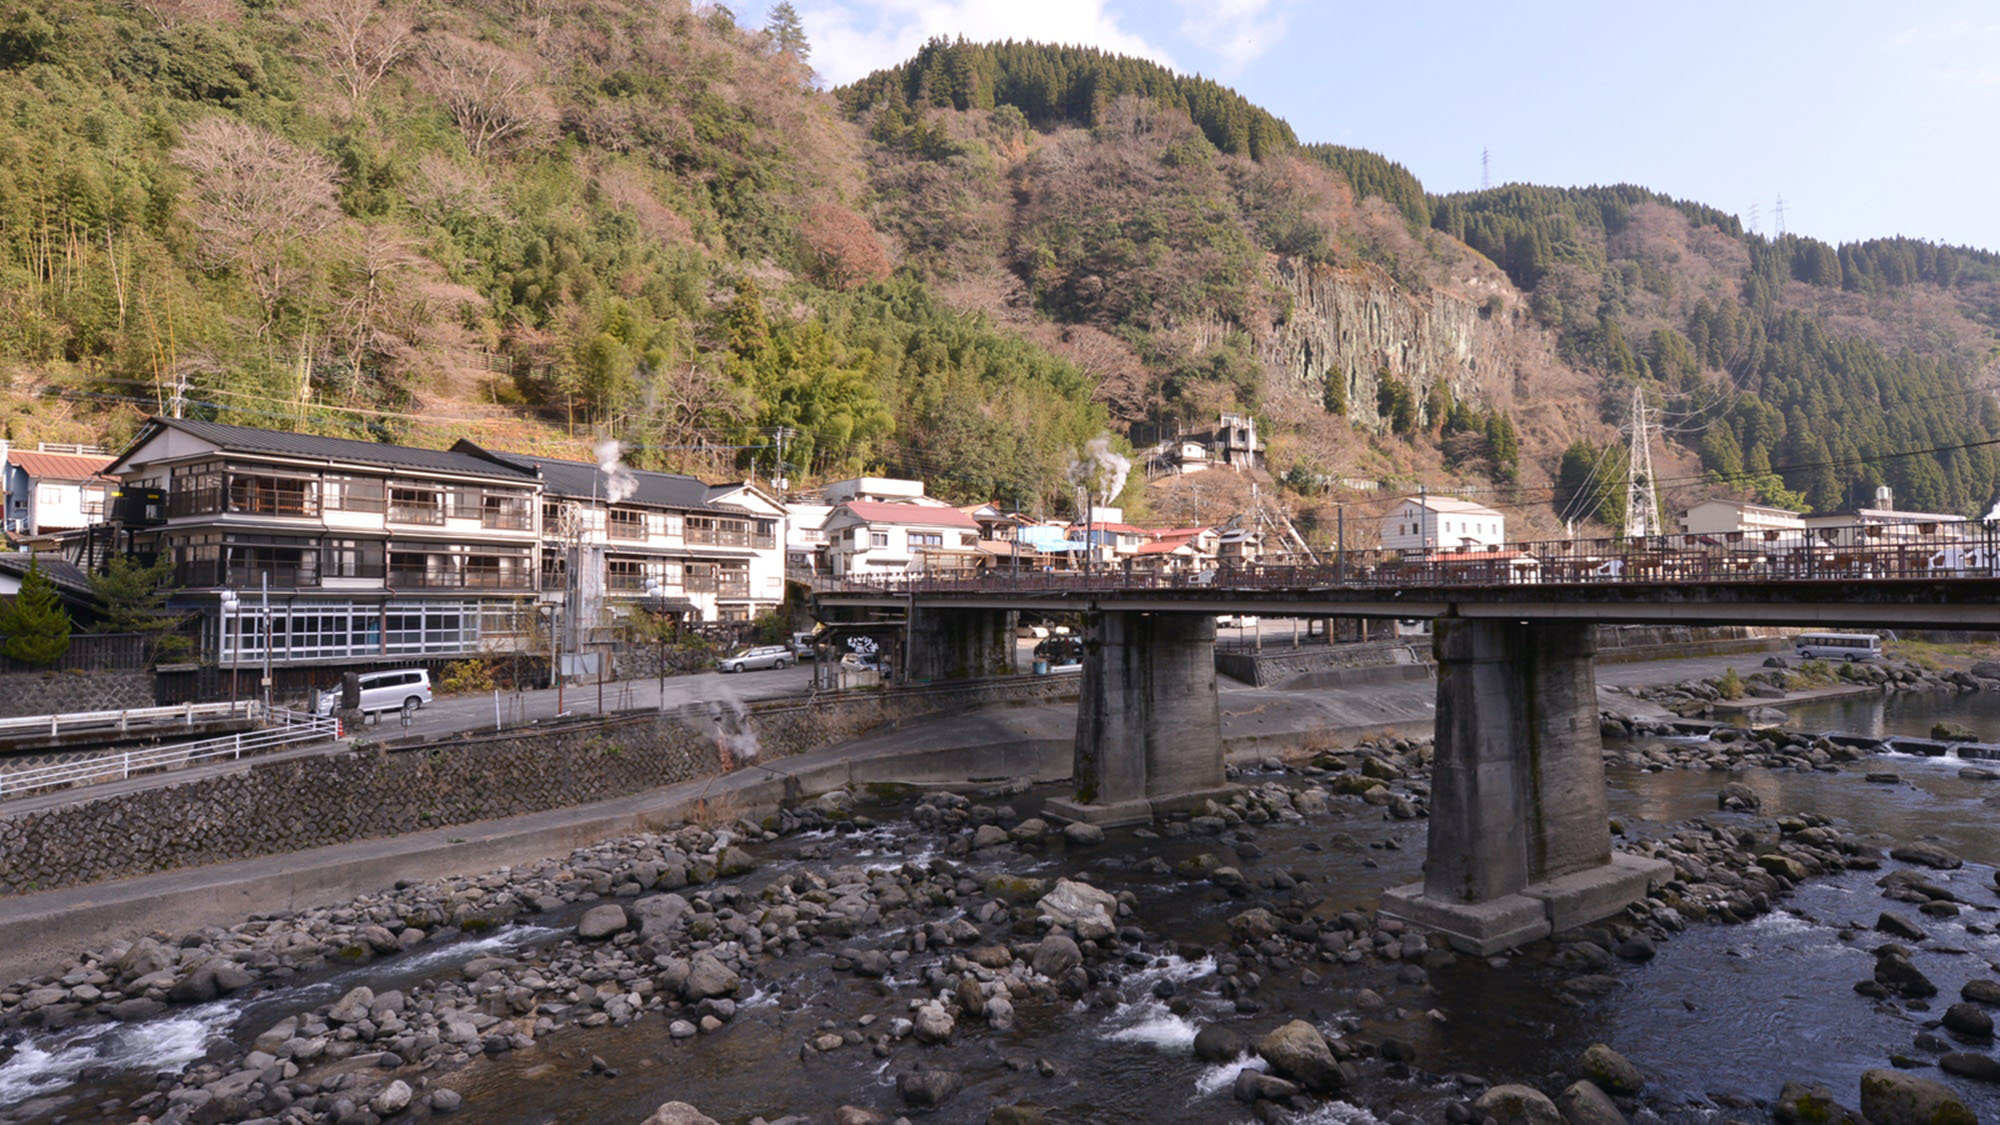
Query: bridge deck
pixel 1942 577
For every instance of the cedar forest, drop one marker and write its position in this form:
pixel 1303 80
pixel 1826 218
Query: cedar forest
pixel 534 224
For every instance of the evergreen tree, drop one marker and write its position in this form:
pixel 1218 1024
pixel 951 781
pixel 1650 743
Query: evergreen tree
pixel 787 31
pixel 133 599
pixel 35 627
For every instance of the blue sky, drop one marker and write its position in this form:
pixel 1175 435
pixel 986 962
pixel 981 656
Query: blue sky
pixel 1869 119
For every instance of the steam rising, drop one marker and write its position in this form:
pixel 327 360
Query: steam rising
pixel 1100 471
pixel 732 726
pixel 618 480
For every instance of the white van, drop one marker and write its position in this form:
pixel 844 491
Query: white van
pixel 1838 646
pixel 405 689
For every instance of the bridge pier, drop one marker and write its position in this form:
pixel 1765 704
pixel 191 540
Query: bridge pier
pixel 959 644
pixel 1148 721
pixel 1520 838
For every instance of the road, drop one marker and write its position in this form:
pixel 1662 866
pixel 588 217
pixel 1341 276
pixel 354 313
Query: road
pixel 449 715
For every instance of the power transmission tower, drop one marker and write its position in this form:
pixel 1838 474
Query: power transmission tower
pixel 1642 504
pixel 1755 216
pixel 1485 168
pixel 1781 215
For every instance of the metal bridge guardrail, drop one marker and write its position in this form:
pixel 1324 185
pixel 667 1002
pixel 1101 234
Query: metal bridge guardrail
pixel 1930 550
pixel 297 729
pixel 186 714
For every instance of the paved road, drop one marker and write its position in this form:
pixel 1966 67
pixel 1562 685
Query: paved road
pixel 476 712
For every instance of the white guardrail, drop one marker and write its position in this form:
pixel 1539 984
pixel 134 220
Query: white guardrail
pixel 186 714
pixel 295 728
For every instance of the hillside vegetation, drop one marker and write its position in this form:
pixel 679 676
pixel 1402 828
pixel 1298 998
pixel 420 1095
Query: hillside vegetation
pixel 538 224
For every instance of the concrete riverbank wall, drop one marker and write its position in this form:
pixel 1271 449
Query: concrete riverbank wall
pixel 375 790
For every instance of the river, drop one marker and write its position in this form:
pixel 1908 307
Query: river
pixel 1718 1021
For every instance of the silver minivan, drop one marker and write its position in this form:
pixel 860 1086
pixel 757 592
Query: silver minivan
pixel 404 689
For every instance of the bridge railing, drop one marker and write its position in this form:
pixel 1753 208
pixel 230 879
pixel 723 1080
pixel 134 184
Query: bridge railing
pixel 294 728
pixel 1933 550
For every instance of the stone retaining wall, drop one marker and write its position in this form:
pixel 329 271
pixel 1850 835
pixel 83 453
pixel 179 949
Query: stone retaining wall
pixel 51 693
pixel 388 789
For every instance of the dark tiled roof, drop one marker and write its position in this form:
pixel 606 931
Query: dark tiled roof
pixel 584 480
pixel 65 574
pixel 249 440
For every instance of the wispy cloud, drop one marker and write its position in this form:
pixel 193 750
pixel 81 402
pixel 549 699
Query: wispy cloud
pixel 1240 31
pixel 854 37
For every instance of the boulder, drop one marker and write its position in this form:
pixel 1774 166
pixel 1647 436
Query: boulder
pixel 679 1113
pixel 1299 1052
pixel 1582 1103
pixel 600 922
pixel 1800 1104
pixel 1739 797
pixel 1969 1020
pixel 932 1024
pixel 1891 1097
pixel 708 976
pixel 1218 1044
pixel 1517 1105
pixel 1079 833
pixel 1952 732
pixel 1897 926
pixel 1056 955
pixel 393 1098
pixel 1981 992
pixel 1927 854
pixel 1609 1070
pixel 660 915
pixel 1895 972
pixel 445 1101
pixel 927 1089
pixel 1970 1064
pixel 354 1007
pixel 1256 1085
pixel 1087 912
pixel 988 836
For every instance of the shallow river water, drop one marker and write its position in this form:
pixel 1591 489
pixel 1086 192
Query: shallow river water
pixel 1718 1021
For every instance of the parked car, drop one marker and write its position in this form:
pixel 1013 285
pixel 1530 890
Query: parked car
pixel 802 645
pixel 1031 632
pixel 405 689
pixel 866 661
pixel 1236 621
pixel 1060 650
pixel 758 656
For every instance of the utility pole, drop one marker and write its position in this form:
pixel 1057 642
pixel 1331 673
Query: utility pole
pixel 779 479
pixel 1642 504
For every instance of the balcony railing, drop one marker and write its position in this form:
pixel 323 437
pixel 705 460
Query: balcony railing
pixel 729 537
pixel 194 502
pixel 456 580
pixel 502 519
pixel 428 513
pixel 258 500
pixel 628 529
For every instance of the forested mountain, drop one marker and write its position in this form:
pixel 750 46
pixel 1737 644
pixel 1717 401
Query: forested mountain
pixel 535 224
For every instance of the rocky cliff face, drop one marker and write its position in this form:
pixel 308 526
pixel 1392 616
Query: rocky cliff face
pixel 1356 324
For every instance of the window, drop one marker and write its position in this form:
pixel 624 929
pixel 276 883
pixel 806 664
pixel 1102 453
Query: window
pixel 354 494
pixel 878 539
pixel 354 558
pixel 410 503
pixel 926 539
pixel 628 523
pixel 967 539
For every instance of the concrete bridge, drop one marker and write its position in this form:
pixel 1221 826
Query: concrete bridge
pixel 1519 830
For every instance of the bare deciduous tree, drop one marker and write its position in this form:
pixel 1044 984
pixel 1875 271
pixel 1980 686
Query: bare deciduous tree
pixel 259 204
pixel 359 40
pixel 490 92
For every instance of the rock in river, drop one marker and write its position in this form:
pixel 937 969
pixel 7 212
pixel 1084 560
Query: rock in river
pixel 600 922
pixel 1609 1069
pixel 1299 1052
pixel 1517 1105
pixel 679 1113
pixel 1929 855
pixel 1969 1020
pixel 1890 1097
pixel 1090 914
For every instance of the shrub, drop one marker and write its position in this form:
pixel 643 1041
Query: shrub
pixel 1731 684
pixel 463 677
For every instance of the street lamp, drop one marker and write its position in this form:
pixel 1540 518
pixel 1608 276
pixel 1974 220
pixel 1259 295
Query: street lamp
pixel 230 602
